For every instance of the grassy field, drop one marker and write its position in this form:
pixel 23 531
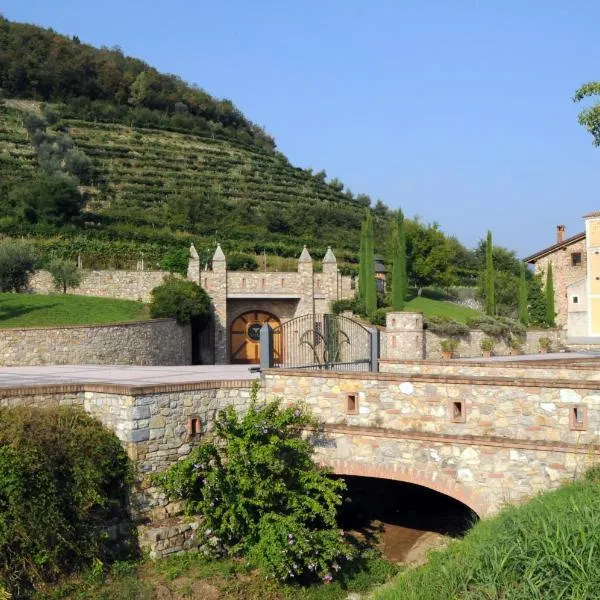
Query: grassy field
pixel 547 549
pixel 433 303
pixel 36 310
pixel 193 576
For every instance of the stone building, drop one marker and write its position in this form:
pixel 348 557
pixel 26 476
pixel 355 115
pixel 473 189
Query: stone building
pixel 243 301
pixel 576 272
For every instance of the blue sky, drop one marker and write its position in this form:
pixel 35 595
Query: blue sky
pixel 458 111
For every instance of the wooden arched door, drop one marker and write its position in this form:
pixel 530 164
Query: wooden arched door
pixel 245 335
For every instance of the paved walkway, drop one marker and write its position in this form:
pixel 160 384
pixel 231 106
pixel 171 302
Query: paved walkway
pixel 120 374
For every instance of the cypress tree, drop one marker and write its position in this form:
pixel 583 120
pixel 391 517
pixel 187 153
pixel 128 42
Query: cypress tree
pixel 399 283
pixel 490 301
pixel 362 285
pixel 371 289
pixel 523 293
pixel 549 293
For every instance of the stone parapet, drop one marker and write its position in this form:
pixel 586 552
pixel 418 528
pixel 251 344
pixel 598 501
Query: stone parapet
pixel 156 342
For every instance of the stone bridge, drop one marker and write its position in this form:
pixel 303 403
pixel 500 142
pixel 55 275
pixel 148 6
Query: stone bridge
pixel 486 434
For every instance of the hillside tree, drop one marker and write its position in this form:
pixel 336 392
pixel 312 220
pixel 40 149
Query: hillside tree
pixel 362 263
pixel 399 283
pixel 490 302
pixel 523 300
pixel 369 260
pixel 549 295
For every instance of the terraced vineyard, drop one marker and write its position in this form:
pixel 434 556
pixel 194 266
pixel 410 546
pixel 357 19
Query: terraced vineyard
pixel 168 188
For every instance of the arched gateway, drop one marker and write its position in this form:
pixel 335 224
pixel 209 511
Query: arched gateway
pixel 245 336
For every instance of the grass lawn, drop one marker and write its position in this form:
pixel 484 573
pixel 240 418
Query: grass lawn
pixel 38 310
pixel 436 306
pixel 194 576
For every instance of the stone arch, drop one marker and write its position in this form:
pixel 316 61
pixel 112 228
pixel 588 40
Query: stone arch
pixel 433 480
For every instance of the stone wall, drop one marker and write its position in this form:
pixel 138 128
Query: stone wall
pixel 480 434
pixel 405 339
pixel 127 285
pixel 156 342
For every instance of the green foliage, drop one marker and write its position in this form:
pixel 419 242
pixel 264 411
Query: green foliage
pixel 238 261
pixel 62 477
pixel 490 302
pixel 589 117
pixel 399 281
pixel 497 327
pixel 176 261
pixel 339 306
pixel 49 199
pixel 362 264
pixel 445 326
pixel 261 495
pixel 182 299
pixel 487 344
pixel 548 548
pixel 17 263
pixel 430 256
pixel 538 307
pixel 549 294
pixel 523 300
pixel 370 295
pixel 65 274
pixel 545 343
pixel 449 345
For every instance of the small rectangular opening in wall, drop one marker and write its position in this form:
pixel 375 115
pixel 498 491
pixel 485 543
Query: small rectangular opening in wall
pixel 578 419
pixel 457 411
pixel 194 426
pixel 352 404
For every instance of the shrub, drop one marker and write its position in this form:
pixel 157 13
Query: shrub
pixel 446 326
pixel 17 263
pixel 179 298
pixel 65 274
pixel 487 344
pixel 62 476
pixel 176 261
pixel 492 326
pixel 449 345
pixel 515 343
pixel 238 261
pixel 261 495
pixel 339 306
pixel 545 343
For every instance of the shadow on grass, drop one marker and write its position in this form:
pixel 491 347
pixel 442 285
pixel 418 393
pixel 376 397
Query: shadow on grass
pixel 12 312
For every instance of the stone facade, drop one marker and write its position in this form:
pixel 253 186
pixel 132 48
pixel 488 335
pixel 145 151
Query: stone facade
pixel 485 440
pixel 127 285
pixel 156 342
pixel 284 295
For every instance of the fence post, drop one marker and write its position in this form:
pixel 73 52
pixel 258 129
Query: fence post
pixel 374 349
pixel 266 347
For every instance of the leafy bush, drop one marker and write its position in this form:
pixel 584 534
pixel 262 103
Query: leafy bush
pixel 176 261
pixel 17 263
pixel 379 317
pixel 62 477
pixel 65 274
pixel 340 306
pixel 487 344
pixel 179 298
pixel 238 261
pixel 261 495
pixel 545 343
pixel 498 327
pixel 449 345
pixel 446 326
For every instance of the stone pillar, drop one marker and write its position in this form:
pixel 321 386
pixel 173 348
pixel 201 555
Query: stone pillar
pixel 193 271
pixel 307 292
pixel 219 302
pixel 329 284
pixel 403 336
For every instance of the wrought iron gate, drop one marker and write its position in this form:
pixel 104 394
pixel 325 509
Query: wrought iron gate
pixel 323 341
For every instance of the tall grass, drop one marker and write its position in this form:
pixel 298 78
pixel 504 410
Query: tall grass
pixel 547 549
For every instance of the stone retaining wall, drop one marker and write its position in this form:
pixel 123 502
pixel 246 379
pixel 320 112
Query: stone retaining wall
pixel 156 342
pixel 172 536
pixel 127 285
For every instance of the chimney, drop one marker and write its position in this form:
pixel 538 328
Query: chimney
pixel 560 234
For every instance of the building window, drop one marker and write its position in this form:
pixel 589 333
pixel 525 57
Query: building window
pixel 576 259
pixel 194 426
pixel 457 411
pixel 575 299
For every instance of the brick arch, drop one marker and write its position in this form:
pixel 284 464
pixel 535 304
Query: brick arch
pixel 433 480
